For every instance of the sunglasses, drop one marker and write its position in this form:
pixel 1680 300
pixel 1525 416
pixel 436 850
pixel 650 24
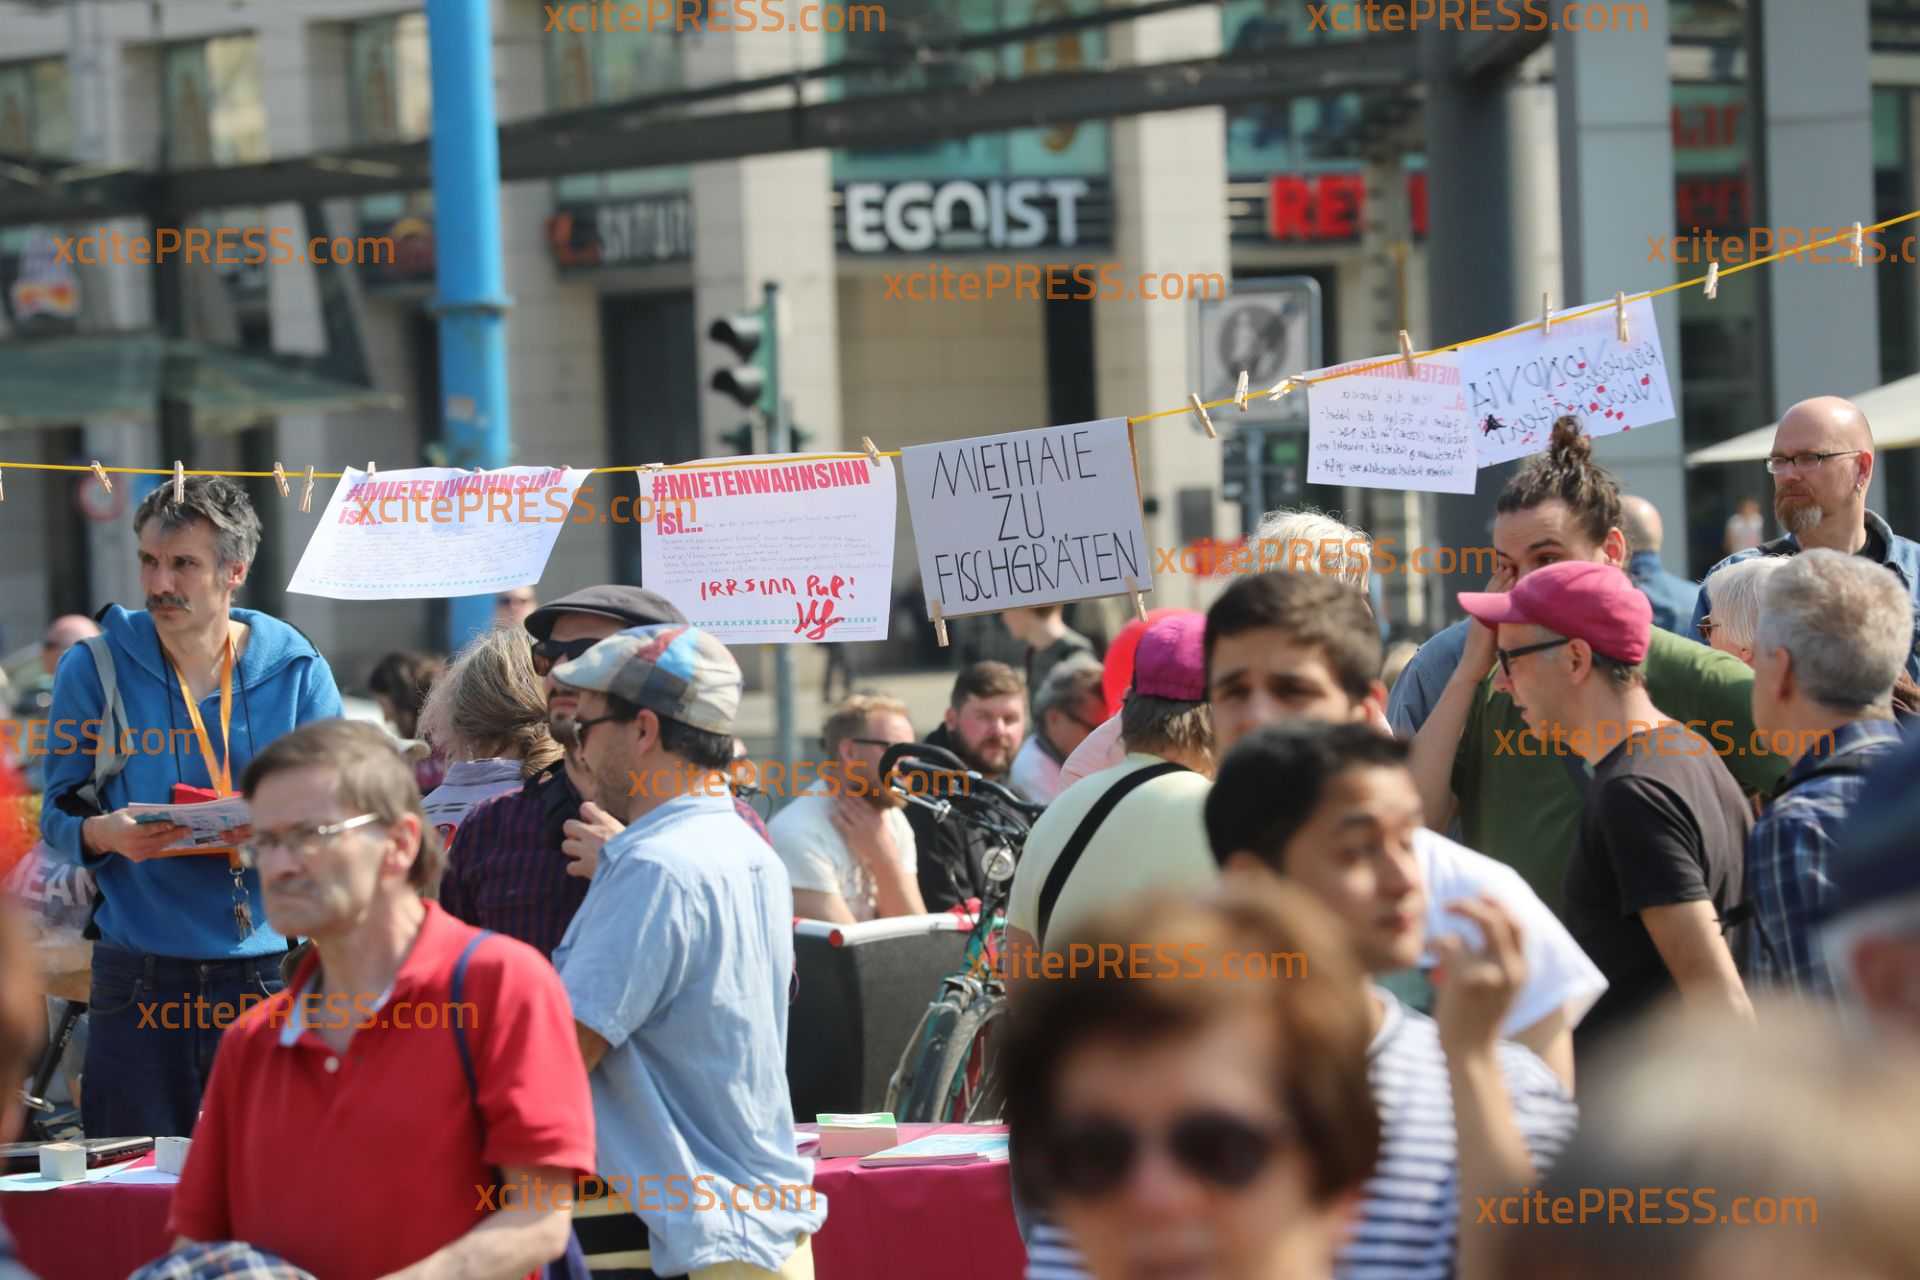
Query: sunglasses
pixel 1095 1156
pixel 549 653
pixel 572 734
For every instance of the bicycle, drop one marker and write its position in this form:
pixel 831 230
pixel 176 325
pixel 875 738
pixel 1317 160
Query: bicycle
pixel 947 1070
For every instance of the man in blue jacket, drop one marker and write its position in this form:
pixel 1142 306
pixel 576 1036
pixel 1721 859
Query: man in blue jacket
pixel 183 943
pixel 1822 463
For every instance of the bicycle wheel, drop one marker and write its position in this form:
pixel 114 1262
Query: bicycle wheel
pixel 908 1097
pixel 955 1080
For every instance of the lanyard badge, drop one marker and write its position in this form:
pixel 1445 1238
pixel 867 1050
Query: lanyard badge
pixel 220 773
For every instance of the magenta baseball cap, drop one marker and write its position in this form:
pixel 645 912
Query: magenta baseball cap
pixel 1171 661
pixel 1579 599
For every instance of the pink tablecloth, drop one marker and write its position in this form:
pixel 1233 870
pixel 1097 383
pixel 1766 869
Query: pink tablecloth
pixel 933 1222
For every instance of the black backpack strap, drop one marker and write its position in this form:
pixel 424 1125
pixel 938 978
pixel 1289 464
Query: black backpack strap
pixel 1077 843
pixel 460 1033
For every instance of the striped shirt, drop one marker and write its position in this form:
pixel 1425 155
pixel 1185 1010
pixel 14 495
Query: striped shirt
pixel 1408 1221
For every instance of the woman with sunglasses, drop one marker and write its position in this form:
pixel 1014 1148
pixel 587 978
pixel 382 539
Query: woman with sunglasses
pixel 1182 1115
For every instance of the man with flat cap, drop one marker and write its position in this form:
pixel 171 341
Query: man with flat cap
pixel 521 861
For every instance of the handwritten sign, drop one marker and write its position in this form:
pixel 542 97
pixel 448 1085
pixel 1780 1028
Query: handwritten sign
pixel 1384 429
pixel 1519 383
pixel 778 551
pixel 1028 517
pixel 435 531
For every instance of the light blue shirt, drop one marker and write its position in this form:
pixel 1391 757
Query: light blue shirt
pixel 679 959
pixel 1424 679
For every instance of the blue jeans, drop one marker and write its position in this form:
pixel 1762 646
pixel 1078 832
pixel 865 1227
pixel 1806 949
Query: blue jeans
pixel 156 1022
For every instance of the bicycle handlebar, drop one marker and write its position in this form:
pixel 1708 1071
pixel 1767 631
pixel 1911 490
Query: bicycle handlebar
pixel 950 763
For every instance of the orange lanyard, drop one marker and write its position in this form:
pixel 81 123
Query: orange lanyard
pixel 220 774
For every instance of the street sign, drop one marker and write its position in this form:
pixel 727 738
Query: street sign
pixel 1268 327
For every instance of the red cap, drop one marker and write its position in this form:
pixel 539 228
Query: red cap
pixel 1172 658
pixel 1579 599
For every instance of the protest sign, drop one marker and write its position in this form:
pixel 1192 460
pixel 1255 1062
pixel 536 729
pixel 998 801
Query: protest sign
pixel 1388 429
pixel 1027 517
pixel 776 551
pixel 1520 382
pixel 435 531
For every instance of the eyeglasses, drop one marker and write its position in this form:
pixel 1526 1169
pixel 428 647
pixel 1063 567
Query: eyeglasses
pixel 508 602
pixel 572 734
pixel 301 842
pixel 1780 464
pixel 549 653
pixel 1706 627
pixel 1507 656
pixel 1095 1156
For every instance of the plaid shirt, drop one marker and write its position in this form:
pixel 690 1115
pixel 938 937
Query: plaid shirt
pixel 505 870
pixel 1788 853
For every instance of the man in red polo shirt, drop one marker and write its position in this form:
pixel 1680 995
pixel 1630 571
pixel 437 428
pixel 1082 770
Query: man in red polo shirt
pixel 340 1132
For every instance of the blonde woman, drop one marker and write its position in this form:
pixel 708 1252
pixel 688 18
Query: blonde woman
pixel 488 717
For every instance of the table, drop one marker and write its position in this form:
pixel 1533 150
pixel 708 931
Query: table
pixel 933 1222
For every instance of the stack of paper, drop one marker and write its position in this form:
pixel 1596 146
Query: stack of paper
pixel 856 1135
pixel 942 1148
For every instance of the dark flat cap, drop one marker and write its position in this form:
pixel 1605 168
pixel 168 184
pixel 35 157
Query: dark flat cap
pixel 629 606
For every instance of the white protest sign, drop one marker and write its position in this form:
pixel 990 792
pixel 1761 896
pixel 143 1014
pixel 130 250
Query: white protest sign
pixel 435 531
pixel 1028 517
pixel 776 551
pixel 1386 429
pixel 1520 382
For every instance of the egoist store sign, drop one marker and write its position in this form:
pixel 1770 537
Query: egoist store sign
pixel 958 214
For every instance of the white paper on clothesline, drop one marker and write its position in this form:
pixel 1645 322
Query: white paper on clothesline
pixel 431 532
pixel 1027 517
pixel 1519 383
pixel 780 552
pixel 1386 429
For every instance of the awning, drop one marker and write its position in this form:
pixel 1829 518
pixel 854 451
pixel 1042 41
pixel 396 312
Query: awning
pixel 1893 411
pixel 54 382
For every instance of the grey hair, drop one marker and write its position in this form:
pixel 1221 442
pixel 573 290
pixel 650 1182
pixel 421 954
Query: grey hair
pixel 1847 622
pixel 1733 597
pixel 1070 680
pixel 489 703
pixel 1300 538
pixel 215 499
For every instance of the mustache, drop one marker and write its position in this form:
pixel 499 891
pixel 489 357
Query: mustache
pixel 177 602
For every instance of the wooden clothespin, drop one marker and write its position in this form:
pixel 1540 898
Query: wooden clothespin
pixel 306 494
pixel 1546 314
pixel 1281 388
pixel 1712 289
pixel 1240 392
pixel 939 623
pixel 1139 601
pixel 1859 246
pixel 1406 354
pixel 179 482
pixel 1620 317
pixel 280 478
pixel 3 486
pixel 373 469
pixel 1193 398
pixel 873 450
pixel 100 474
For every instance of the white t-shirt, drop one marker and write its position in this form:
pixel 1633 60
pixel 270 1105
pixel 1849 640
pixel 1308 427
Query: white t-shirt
pixel 819 860
pixel 1155 838
pixel 1558 971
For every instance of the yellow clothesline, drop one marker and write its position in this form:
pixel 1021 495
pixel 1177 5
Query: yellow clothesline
pixel 1283 387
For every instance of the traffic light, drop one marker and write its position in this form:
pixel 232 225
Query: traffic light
pixel 751 383
pixel 740 439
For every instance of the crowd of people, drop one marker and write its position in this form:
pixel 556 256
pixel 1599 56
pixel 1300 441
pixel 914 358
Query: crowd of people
pixel 1610 891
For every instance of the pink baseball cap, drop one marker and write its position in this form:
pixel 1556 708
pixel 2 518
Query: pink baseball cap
pixel 1579 599
pixel 1172 659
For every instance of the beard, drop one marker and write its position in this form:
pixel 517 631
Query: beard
pixel 991 756
pixel 1798 513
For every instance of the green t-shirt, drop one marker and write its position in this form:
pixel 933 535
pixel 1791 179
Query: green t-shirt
pixel 1524 809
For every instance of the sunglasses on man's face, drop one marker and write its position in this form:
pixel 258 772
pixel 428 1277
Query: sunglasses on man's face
pixel 549 653
pixel 1095 1156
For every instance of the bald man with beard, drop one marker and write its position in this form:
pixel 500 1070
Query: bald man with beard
pixel 1822 462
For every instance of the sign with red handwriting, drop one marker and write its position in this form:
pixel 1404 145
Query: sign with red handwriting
pixel 1028 517
pixel 775 549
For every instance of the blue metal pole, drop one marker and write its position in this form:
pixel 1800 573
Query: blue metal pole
pixel 472 298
